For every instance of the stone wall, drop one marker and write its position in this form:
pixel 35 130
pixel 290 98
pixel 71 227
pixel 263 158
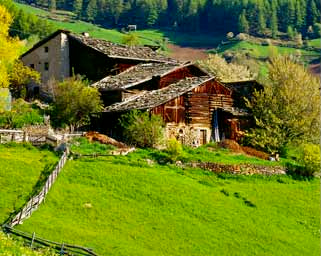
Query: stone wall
pixel 50 59
pixel 245 169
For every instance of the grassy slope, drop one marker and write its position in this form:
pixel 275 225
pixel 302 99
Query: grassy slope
pixel 63 20
pixel 122 206
pixel 20 169
pixel 260 51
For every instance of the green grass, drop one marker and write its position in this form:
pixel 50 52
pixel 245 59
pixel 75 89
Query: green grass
pixel 315 42
pixel 84 147
pixel 10 247
pixel 21 166
pixel 123 206
pixel 260 51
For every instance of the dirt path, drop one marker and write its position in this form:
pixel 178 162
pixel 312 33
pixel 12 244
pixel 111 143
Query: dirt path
pixel 187 53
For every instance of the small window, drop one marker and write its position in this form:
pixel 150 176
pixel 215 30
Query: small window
pixel 46 49
pixel 46 66
pixel 32 66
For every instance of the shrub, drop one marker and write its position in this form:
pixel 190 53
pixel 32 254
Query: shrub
pixel 22 114
pixel 311 158
pixel 142 129
pixel 174 148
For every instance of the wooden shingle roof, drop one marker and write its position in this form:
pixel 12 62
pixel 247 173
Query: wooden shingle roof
pixel 151 99
pixel 120 51
pixel 136 75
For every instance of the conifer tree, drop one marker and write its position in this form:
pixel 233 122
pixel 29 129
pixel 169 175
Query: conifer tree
pixel 243 23
pixel 91 10
pixel 52 5
pixel 77 8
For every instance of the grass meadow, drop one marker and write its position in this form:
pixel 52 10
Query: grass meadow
pixel 124 206
pixel 22 167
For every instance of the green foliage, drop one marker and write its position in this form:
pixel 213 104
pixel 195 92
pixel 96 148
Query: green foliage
pixel 287 110
pixel 26 24
pixel 73 102
pixel 103 202
pixel 174 148
pixel 142 129
pixel 310 158
pixel 19 77
pixel 21 114
pixel 130 39
pixel 258 17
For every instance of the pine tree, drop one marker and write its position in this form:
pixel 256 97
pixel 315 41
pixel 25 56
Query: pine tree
pixel 243 23
pixel 299 16
pixel 312 13
pixel 77 8
pixel 52 5
pixel 261 22
pixel 290 32
pixel 274 21
pixel 91 10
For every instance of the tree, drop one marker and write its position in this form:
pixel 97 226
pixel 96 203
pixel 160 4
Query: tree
pixel 290 32
pixel 243 23
pixel 19 77
pixel 227 72
pixel 9 47
pixel 274 25
pixel 73 102
pixel 77 8
pixel 91 10
pixel 130 39
pixel 52 5
pixel 142 129
pixel 287 110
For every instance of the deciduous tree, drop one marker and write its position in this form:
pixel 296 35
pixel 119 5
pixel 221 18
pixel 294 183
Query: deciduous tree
pixel 288 109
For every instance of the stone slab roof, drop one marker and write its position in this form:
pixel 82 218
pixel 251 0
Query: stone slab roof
pixel 113 50
pixel 151 99
pixel 135 75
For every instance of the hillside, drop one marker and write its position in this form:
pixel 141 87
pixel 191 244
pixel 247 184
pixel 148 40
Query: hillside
pixel 124 206
pixel 23 168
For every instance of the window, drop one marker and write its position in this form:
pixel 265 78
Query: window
pixel 46 49
pixel 46 66
pixel 32 65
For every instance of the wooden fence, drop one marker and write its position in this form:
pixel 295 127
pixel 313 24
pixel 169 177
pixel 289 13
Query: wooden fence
pixel 36 200
pixel 34 138
pixel 37 242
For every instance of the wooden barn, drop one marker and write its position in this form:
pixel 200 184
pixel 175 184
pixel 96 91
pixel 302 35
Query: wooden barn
pixel 144 77
pixel 196 110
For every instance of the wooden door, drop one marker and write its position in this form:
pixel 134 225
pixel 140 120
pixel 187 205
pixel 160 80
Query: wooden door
pixel 203 137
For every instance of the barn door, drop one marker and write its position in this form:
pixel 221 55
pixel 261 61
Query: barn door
pixel 203 137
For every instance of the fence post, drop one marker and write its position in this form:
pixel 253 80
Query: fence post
pixel 62 249
pixel 33 238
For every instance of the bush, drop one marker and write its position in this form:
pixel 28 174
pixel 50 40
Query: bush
pixel 311 159
pixel 174 149
pixel 22 114
pixel 142 129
